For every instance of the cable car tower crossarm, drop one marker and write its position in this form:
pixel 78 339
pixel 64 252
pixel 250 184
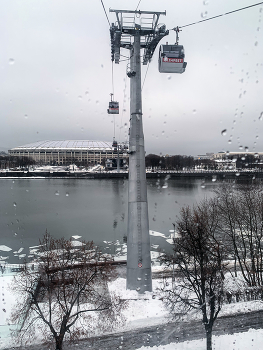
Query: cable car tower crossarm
pixel 134 37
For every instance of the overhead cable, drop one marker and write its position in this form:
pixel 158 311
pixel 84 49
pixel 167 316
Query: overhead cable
pixel 138 5
pixel 223 14
pixel 105 12
pixel 145 74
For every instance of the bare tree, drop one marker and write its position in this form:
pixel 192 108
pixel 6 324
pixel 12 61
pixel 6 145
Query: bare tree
pixel 241 219
pixel 66 293
pixel 198 257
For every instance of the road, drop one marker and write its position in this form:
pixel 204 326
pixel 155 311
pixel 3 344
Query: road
pixel 165 333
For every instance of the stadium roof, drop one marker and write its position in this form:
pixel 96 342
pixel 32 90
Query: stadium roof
pixel 66 145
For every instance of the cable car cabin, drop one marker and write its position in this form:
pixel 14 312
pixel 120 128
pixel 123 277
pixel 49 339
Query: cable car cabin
pixel 113 107
pixel 171 59
pixel 114 145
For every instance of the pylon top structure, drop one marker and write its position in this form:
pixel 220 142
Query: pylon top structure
pixel 128 24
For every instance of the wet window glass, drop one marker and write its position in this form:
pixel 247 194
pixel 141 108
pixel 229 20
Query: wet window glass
pixel 79 149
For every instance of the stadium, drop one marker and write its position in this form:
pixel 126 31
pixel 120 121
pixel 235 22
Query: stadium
pixel 66 152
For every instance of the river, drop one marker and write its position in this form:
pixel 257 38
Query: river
pixel 93 209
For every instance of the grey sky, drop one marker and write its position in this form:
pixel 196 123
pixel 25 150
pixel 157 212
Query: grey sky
pixel 59 83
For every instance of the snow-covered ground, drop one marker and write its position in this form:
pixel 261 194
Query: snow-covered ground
pixel 148 310
pixel 142 311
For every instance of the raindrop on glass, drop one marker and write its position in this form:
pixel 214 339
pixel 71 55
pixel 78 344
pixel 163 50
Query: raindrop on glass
pixel 169 77
pixel 26 116
pixel 80 97
pixel 240 147
pixel 57 193
pixel 213 178
pixel 223 132
pixel 14 204
pixel 256 43
pixel 11 61
pixel 204 14
pixel 82 129
pixel 261 116
pixel 194 111
pixel 237 174
pixel 246 149
pixel 205 2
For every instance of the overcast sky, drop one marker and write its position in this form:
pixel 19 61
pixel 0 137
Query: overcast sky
pixel 56 77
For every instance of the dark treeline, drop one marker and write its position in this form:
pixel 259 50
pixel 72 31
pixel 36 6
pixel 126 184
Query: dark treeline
pixel 7 162
pixel 177 162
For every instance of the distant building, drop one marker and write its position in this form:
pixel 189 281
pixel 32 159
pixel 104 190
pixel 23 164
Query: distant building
pixel 224 155
pixel 205 156
pixel 71 151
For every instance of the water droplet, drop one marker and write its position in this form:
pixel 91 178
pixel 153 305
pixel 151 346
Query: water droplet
pixel 14 204
pixel 204 14
pixel 261 116
pixel 213 178
pixel 240 147
pixel 256 155
pixel 11 61
pixel 80 97
pixel 243 158
pixel 138 288
pixel 86 92
pixel 256 43
pixel 206 2
pixel 237 174
pixel 246 149
pixel 194 111
pixel 223 132
pixel 82 129
pixel 169 77
pixel 234 122
pixel 57 193
pixel 67 194
pixel 26 116
pixel 139 279
pixel 162 132
pixel 101 65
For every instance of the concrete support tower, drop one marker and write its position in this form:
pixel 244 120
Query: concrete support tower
pixel 138 239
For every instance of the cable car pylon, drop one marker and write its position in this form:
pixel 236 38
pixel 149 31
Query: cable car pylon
pixel 139 275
